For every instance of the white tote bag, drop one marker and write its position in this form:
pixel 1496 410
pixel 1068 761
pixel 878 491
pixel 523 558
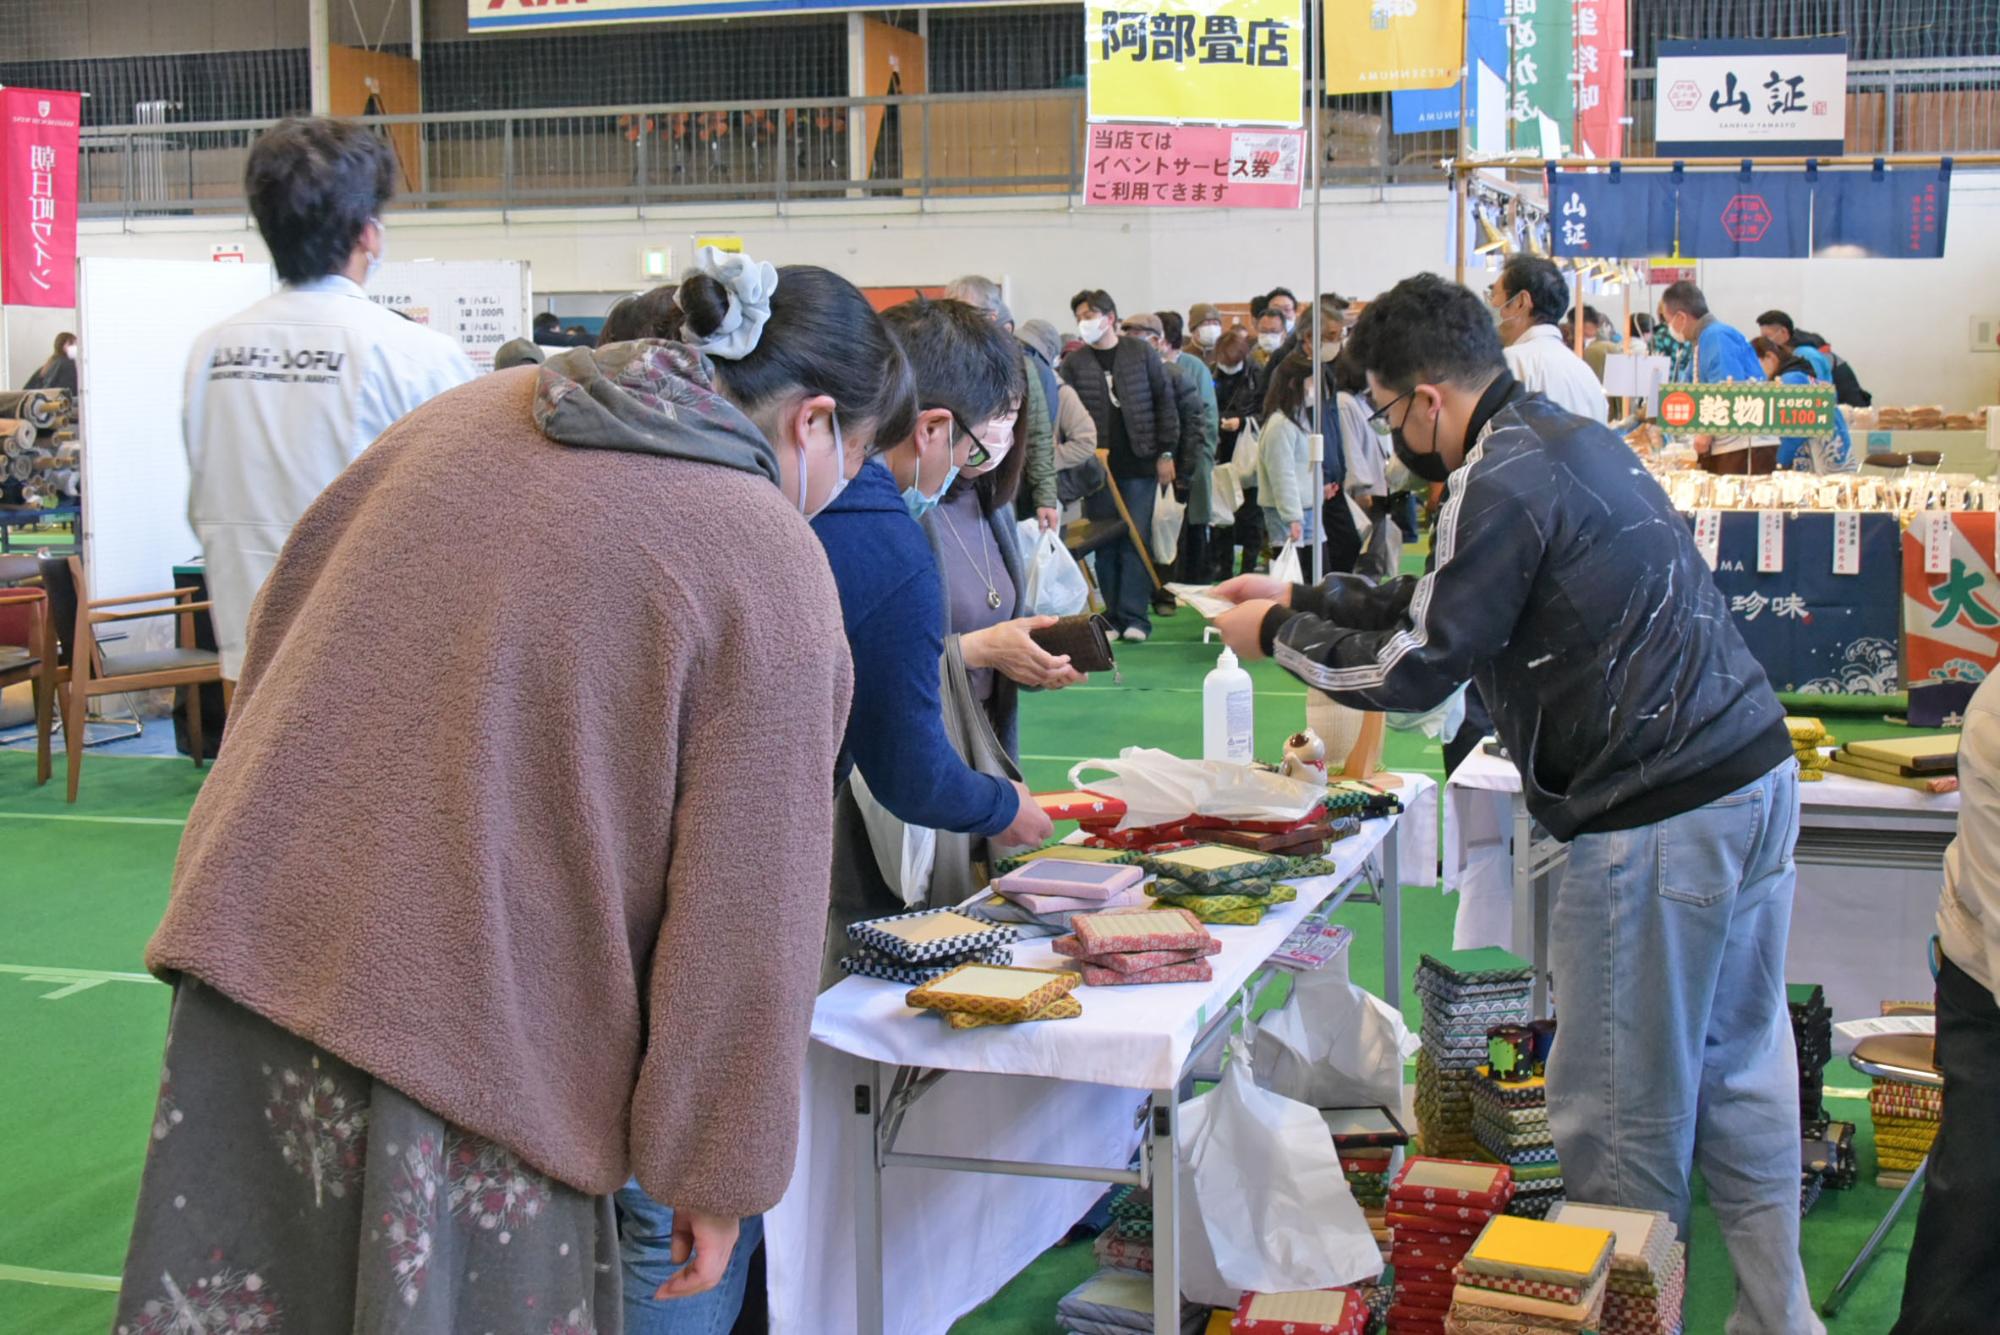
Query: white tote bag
pixel 1273 1203
pixel 1168 511
pixel 1244 460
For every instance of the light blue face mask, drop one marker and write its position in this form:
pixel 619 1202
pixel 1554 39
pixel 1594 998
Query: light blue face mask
pixel 919 504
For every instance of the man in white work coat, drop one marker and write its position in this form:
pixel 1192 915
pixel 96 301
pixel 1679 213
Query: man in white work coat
pixel 1529 299
pixel 283 396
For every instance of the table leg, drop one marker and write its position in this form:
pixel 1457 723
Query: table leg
pixel 1389 889
pixel 1163 1162
pixel 868 1210
pixel 1531 940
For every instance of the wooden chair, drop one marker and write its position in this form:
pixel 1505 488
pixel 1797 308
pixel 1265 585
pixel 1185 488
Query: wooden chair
pixel 91 669
pixel 27 649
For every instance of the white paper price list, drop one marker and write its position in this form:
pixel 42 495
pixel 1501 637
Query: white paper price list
pixel 1847 542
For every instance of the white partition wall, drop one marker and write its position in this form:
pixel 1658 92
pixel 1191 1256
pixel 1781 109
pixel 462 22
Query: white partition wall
pixel 138 319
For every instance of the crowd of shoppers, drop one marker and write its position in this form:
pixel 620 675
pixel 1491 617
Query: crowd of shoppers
pixel 538 848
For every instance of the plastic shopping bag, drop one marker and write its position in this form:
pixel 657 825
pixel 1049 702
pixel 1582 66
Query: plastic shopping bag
pixel 906 855
pixel 1268 1196
pixel 1333 1045
pixel 1441 722
pixel 1244 459
pixel 1055 583
pixel 1168 511
pixel 1285 565
pixel 1159 788
pixel 1226 492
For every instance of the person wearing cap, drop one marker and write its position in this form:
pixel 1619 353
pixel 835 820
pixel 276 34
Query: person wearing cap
pixel 1078 473
pixel 1204 322
pixel 517 352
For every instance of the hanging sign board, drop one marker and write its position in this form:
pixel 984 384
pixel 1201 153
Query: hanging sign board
pixel 38 150
pixel 1881 214
pixel 1744 98
pixel 1375 46
pixel 1731 406
pixel 1233 62
pixel 1193 166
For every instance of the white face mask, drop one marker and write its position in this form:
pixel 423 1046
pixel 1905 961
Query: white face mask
pixel 1291 323
pixel 1093 330
pixel 1229 368
pixel 1270 342
pixel 69 349
pixel 840 478
pixel 381 251
pixel 997 436
pixel 1209 334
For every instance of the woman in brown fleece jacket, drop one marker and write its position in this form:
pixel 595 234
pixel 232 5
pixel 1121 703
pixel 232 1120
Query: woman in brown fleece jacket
pixel 510 881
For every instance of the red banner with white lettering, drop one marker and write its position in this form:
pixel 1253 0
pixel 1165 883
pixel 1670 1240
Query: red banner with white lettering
pixel 38 133
pixel 1600 69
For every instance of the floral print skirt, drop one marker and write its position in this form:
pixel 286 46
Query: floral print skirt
pixel 286 1191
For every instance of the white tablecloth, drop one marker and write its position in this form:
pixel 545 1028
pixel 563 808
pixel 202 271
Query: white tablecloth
pixel 1064 1092
pixel 1857 930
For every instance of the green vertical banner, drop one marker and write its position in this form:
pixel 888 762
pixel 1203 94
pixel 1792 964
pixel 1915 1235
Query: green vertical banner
pixel 1541 98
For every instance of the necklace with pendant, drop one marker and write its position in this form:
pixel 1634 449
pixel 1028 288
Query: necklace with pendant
pixel 985 574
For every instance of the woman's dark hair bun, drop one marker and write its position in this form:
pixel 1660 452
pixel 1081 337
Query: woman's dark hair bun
pixel 703 304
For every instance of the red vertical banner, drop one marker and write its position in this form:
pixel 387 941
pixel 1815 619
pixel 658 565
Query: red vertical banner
pixel 38 152
pixel 1600 77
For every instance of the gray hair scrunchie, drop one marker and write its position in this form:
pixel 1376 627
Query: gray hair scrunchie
pixel 750 283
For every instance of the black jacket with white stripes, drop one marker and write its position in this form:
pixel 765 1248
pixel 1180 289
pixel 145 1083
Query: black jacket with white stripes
pixel 1565 584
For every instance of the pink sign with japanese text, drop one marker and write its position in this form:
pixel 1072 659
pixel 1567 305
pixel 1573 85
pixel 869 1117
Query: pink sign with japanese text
pixel 1193 166
pixel 38 148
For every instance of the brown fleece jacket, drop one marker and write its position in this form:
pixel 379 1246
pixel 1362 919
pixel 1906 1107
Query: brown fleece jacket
pixel 526 804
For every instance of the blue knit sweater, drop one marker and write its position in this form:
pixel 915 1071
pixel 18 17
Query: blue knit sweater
pixel 892 601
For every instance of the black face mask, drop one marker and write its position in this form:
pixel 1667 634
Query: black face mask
pixel 1425 467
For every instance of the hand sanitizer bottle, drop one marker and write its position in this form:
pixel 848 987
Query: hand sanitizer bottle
pixel 1226 723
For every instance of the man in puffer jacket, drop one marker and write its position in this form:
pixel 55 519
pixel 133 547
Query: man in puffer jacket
pixel 1647 738
pixel 1125 387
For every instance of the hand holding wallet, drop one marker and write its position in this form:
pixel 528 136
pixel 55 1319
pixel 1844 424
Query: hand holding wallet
pixel 1085 638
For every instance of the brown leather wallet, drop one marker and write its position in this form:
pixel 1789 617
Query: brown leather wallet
pixel 1085 638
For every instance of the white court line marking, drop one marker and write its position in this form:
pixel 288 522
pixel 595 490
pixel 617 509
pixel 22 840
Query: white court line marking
pixel 60 1279
pixel 92 820
pixel 69 982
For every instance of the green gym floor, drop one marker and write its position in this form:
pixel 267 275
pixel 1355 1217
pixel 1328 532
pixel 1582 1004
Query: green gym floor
pixel 81 1024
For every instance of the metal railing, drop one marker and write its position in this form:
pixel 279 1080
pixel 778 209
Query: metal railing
pixel 921 147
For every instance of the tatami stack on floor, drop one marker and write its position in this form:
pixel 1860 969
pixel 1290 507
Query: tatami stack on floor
pixel 1648 1283
pixel 1462 999
pixel 1826 1147
pixel 1530 1275
pixel 1906 1124
pixel 1511 1122
pixel 1437 1207
pixel 1128 1243
pixel 1118 1302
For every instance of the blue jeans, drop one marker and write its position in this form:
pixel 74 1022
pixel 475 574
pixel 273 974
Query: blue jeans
pixel 1121 574
pixel 645 1241
pixel 1667 947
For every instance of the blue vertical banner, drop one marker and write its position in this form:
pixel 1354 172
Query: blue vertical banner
pixel 1418 110
pixel 1750 215
pixel 1614 215
pixel 1882 214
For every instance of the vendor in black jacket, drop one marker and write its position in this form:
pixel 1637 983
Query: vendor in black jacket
pixel 1126 389
pixel 1565 584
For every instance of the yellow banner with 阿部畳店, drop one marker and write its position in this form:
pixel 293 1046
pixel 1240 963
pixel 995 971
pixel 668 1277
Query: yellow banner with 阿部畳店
pixel 1375 46
pixel 1212 62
